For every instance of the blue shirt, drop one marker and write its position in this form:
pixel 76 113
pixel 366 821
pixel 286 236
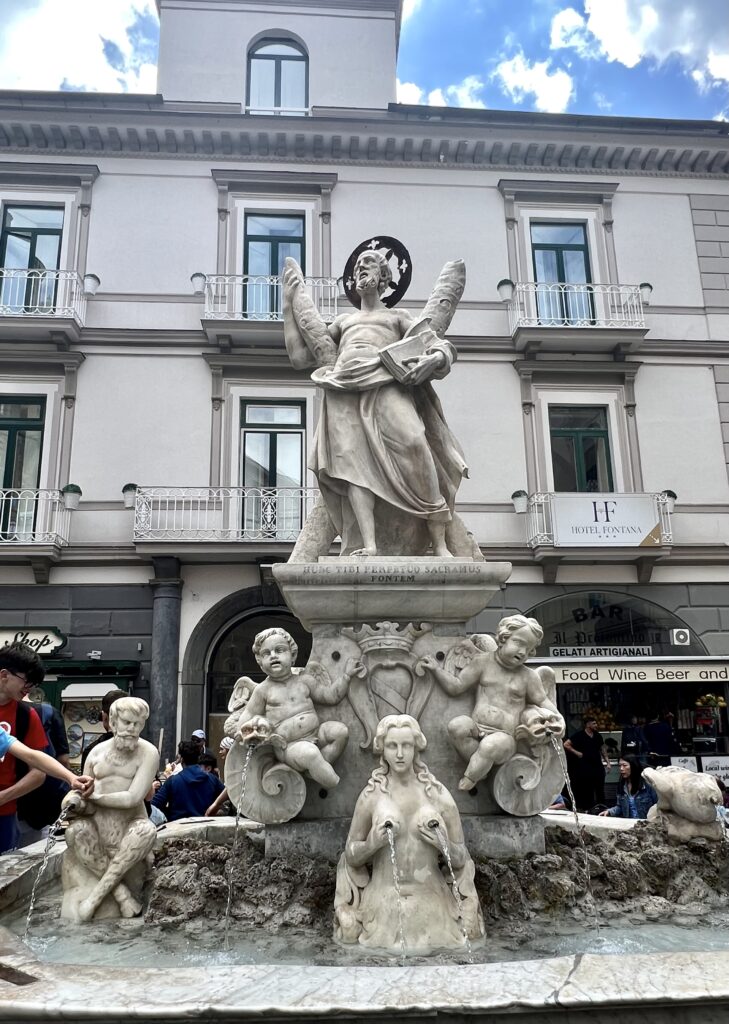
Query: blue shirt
pixel 188 794
pixel 6 742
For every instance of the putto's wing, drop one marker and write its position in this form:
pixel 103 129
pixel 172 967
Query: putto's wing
pixel 446 295
pixel 308 322
pixel 460 655
pixel 549 681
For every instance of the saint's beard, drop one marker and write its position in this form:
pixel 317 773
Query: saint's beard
pixel 126 743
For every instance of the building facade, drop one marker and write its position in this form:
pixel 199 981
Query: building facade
pixel 142 355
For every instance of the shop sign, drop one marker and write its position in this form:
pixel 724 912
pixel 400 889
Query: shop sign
pixel 642 672
pixel 689 763
pixel 605 520
pixel 716 766
pixel 43 641
pixel 600 652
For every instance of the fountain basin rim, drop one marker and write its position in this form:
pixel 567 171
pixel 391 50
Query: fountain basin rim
pixel 577 983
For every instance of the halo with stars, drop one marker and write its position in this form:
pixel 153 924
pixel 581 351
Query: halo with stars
pixel 400 265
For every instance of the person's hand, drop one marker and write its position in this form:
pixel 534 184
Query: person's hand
pixel 428 661
pixel 211 812
pixel 604 814
pixel 354 667
pixel 422 368
pixel 84 784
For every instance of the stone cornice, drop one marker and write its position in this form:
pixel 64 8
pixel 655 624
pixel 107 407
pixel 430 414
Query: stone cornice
pixel 85 125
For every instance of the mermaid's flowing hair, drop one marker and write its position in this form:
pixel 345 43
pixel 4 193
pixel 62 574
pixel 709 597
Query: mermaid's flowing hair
pixel 379 779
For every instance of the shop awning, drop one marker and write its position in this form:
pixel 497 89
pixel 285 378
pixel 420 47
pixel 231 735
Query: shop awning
pixel 86 691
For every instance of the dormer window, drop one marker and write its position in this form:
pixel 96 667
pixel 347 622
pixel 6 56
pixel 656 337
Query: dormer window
pixel 278 78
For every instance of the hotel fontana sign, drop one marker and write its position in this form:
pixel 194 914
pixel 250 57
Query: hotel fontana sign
pixel 606 520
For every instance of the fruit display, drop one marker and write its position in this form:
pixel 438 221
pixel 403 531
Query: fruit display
pixel 711 700
pixel 603 717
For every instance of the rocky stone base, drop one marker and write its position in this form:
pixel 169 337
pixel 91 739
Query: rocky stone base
pixel 639 874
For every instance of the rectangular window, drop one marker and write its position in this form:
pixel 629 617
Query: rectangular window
pixel 562 271
pixel 21 443
pixel 580 444
pixel 268 240
pixel 30 247
pixel 272 467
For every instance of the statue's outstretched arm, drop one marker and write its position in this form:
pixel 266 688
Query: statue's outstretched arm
pixel 308 341
pixel 446 295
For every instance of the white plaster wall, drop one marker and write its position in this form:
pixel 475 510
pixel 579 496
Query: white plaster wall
pixel 149 232
pixel 434 220
pixel 351 55
pixel 204 586
pixel 482 404
pixel 141 418
pixel 654 241
pixel 679 433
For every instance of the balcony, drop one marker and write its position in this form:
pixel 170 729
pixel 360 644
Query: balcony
pixel 265 516
pixel 34 526
pixel 557 317
pixel 41 305
pixel 608 527
pixel 244 307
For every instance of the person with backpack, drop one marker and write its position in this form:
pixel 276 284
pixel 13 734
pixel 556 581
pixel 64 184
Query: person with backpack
pixel 39 809
pixel 20 670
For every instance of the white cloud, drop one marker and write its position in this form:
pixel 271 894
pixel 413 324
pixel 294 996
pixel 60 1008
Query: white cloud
pixel 519 78
pixel 601 101
pixel 627 31
pixel 464 94
pixel 409 8
pixel 81 44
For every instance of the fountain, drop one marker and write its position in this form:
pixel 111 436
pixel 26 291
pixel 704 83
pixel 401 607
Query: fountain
pixel 435 864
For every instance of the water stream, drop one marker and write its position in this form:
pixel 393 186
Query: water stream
pixel 230 866
pixel 444 845
pixel 398 894
pixel 53 837
pixel 578 828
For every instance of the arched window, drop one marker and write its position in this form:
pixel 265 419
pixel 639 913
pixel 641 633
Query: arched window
pixel 278 78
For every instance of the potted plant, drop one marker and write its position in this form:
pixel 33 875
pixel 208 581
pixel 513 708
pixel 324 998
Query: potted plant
pixel 520 499
pixel 670 497
pixel 71 495
pixel 129 493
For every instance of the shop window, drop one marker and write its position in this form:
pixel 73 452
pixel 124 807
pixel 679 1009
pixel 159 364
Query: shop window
pixel 21 444
pixel 30 247
pixel 268 240
pixel 561 265
pixel 580 448
pixel 278 78
pixel 272 467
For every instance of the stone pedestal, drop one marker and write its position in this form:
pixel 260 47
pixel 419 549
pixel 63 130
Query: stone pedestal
pixel 388 613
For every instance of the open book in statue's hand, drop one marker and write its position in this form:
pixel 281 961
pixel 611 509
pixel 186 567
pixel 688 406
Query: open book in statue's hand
pixel 400 357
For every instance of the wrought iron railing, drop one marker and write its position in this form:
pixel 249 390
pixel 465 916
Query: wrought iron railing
pixel 540 521
pixel 252 297
pixel 280 111
pixel 221 513
pixel 46 293
pixel 576 305
pixel 29 516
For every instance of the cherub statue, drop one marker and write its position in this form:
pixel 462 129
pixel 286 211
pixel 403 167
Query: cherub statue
pixel 281 711
pixel 512 703
pixel 388 466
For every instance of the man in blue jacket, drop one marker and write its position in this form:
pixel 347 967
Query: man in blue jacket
pixel 189 793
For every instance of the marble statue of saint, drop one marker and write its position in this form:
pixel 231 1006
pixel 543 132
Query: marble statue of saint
pixel 387 464
pixel 404 798
pixel 110 835
pixel 511 706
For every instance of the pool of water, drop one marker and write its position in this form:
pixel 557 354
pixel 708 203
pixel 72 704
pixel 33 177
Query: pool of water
pixel 202 943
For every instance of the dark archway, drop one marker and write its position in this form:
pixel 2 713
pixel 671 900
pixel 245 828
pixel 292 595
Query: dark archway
pixel 607 618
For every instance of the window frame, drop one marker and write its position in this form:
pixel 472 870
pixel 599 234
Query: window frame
pixel 610 397
pixel 32 284
pixel 282 428
pixel 276 110
pixel 578 434
pixel 51 390
pixel 243 206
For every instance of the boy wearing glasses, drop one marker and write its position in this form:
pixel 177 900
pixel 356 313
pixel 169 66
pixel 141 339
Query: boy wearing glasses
pixel 20 670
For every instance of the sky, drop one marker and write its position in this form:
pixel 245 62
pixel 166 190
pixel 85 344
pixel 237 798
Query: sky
pixel 633 58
